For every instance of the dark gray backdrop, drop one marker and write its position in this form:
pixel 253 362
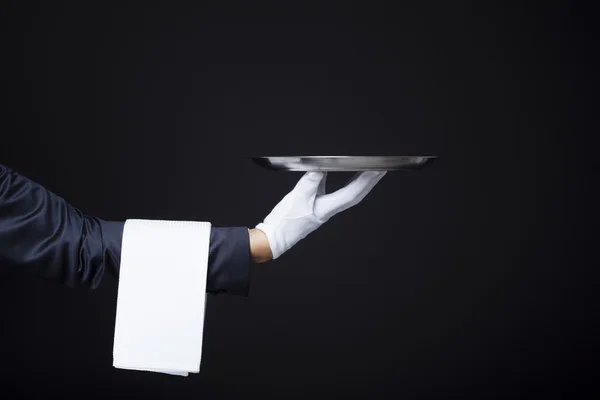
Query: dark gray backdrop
pixel 470 278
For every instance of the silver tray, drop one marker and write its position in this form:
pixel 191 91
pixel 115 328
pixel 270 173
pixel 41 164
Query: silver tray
pixel 344 163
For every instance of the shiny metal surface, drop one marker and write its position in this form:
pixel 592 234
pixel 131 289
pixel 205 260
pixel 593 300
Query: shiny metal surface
pixel 344 163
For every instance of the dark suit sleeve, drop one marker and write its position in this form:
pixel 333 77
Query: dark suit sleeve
pixel 41 234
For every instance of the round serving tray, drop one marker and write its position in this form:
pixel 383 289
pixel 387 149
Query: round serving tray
pixel 344 163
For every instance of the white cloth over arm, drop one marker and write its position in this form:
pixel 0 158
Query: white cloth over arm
pixel 161 296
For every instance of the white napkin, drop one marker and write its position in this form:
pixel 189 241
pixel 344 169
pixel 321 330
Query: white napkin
pixel 161 296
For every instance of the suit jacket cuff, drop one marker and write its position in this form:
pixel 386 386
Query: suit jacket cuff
pixel 229 261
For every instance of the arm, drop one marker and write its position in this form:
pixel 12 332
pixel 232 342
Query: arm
pixel 41 233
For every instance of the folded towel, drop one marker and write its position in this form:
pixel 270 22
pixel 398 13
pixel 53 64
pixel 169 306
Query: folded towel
pixel 161 296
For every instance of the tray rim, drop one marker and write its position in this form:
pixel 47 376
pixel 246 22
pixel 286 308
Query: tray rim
pixel 427 156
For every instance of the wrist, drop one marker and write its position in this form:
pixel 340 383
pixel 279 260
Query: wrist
pixel 260 250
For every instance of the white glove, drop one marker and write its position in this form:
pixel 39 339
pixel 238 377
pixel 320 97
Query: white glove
pixel 307 207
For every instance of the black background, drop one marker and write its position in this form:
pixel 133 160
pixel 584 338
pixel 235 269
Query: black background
pixel 472 278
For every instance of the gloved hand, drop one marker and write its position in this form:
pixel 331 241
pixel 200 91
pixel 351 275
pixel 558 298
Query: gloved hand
pixel 307 207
